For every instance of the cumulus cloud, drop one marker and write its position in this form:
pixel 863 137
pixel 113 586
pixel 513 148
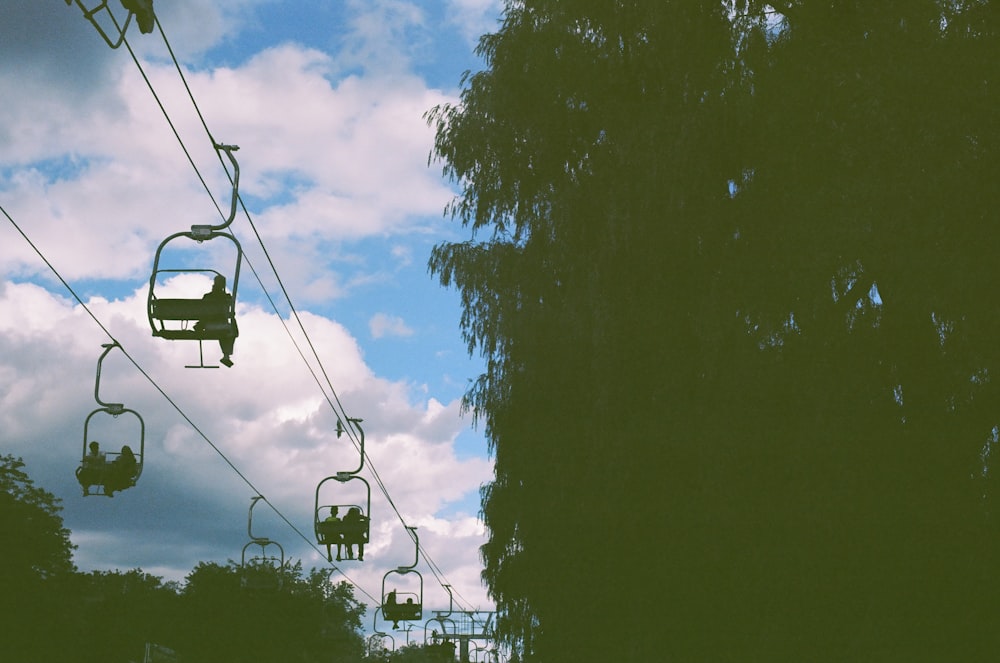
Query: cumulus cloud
pixel 475 17
pixel 275 428
pixel 357 150
pixel 382 325
pixel 333 163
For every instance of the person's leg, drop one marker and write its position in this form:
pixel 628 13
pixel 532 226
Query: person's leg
pixel 226 343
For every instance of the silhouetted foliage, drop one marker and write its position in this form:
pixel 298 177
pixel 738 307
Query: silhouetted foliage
pixel 115 613
pixel 730 268
pixel 440 652
pixel 35 566
pixel 51 612
pixel 307 617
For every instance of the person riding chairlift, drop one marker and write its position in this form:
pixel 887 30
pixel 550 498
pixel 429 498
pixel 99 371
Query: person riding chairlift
pixel 223 300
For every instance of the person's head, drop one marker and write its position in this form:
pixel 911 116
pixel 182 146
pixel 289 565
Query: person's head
pixel 219 283
pixel 127 451
pixel 94 447
pixel 333 511
pixel 354 511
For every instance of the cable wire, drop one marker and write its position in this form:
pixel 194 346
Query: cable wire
pixel 166 396
pixel 338 409
pixel 335 404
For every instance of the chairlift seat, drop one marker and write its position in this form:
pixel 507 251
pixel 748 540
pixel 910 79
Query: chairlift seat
pixel 190 309
pixel 355 531
pixel 213 319
pixel 329 531
pixel 400 612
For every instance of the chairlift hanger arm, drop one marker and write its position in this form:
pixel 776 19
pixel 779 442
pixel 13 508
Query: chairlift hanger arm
pixel 416 548
pixel 253 503
pixel 451 601
pixel 205 231
pixel 361 440
pixel 112 407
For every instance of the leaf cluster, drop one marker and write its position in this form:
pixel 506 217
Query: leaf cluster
pixel 730 268
pixel 51 611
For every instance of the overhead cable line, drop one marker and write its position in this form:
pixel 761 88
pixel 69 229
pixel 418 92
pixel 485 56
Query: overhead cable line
pixel 335 404
pixel 166 396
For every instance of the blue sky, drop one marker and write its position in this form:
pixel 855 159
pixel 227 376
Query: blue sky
pixel 325 100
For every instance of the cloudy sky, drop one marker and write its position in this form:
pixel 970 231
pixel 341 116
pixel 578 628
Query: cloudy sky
pixel 326 102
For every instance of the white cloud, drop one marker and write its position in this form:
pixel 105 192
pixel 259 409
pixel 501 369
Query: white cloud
pixel 384 35
pixel 358 149
pixel 475 17
pixel 333 160
pixel 264 415
pixel 382 325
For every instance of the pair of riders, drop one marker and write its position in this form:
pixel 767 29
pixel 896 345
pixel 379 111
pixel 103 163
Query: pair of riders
pixel 116 475
pixel 347 532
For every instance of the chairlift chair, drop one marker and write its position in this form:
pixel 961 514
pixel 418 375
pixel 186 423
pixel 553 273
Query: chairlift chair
pixel 406 605
pixel 399 606
pixel 110 471
pixel 345 530
pixel 202 318
pixel 262 572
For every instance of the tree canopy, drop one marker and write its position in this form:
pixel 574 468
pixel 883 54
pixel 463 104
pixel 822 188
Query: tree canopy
pixel 53 612
pixel 36 558
pixel 729 267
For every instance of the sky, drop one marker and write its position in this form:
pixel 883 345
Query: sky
pixel 326 101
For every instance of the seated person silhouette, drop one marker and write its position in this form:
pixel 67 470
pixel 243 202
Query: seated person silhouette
pixel 354 533
pixel 330 528
pixel 221 323
pixel 91 472
pixel 389 609
pixel 121 472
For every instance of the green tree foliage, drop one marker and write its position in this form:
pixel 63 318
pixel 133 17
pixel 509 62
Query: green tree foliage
pixel 30 516
pixel 51 612
pixel 35 564
pixel 730 268
pixel 305 619
pixel 115 613
pixel 439 652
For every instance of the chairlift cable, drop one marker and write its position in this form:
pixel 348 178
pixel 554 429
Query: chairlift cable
pixel 166 396
pixel 341 412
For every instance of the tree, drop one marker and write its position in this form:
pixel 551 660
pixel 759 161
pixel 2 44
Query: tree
pixel 30 516
pixel 307 618
pixel 729 268
pixel 35 562
pixel 116 613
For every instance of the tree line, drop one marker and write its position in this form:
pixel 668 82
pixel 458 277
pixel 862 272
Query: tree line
pixel 53 612
pixel 731 268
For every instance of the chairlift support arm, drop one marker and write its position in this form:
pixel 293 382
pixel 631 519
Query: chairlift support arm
pixel 356 423
pixel 204 231
pixel 253 503
pixel 113 408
